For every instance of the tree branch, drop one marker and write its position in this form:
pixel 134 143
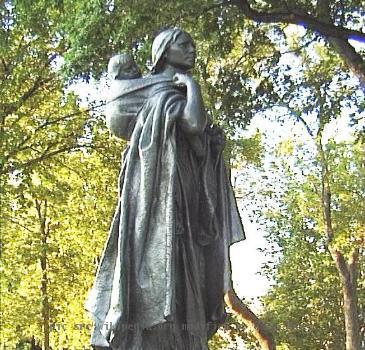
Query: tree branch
pixel 297 115
pixel 299 48
pixel 22 144
pixel 42 157
pixel 11 108
pixel 292 17
pixel 305 124
pixel 337 36
pixel 20 147
pixel 341 264
pixel 348 54
pixel 352 265
pixel 22 226
pixel 352 59
pixel 256 326
pixel 342 19
pixel 326 191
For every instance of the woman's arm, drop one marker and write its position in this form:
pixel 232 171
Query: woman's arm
pixel 194 119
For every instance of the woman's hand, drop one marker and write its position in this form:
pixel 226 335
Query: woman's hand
pixel 217 137
pixel 193 119
pixel 180 79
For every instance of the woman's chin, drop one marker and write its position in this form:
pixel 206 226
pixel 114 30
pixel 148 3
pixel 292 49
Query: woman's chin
pixel 186 66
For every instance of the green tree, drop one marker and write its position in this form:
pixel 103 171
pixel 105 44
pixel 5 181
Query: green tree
pixel 242 64
pixel 50 245
pixel 238 58
pixel 109 26
pixel 318 107
pixel 38 120
pixel 335 21
pixel 58 174
pixel 307 303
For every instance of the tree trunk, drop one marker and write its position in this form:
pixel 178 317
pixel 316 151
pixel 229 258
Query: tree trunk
pixel 351 316
pixel 34 345
pixel 352 59
pixel 45 303
pixel 346 270
pixel 254 324
pixel 44 230
pixel 348 54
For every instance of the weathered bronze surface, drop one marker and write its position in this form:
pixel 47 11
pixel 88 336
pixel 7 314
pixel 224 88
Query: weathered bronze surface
pixel 165 267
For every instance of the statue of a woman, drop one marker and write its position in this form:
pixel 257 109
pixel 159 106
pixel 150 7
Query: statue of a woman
pixel 165 266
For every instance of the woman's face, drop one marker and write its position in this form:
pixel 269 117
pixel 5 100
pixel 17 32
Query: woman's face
pixel 181 53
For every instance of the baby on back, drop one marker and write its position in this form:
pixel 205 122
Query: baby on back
pixel 122 106
pixel 123 67
pixel 127 94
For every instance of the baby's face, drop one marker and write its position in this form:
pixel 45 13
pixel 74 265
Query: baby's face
pixel 129 70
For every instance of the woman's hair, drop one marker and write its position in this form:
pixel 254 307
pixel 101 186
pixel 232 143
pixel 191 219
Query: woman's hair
pixel 160 45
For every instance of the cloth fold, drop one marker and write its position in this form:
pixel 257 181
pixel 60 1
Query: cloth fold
pixel 166 259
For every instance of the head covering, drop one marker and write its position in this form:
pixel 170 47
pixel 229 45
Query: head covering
pixel 161 43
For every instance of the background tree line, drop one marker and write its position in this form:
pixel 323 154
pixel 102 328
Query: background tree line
pixel 59 165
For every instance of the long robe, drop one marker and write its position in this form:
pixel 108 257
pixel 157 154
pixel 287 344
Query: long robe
pixel 165 266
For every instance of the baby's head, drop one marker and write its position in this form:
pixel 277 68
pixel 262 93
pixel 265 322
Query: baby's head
pixel 122 67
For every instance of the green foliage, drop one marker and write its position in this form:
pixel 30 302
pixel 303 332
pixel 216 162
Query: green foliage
pixel 305 304
pixel 49 158
pixel 38 119
pixel 230 336
pixel 245 151
pixel 56 154
pixel 79 210
pixel 244 67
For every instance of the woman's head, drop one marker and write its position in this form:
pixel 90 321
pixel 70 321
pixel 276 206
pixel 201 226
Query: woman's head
pixel 174 47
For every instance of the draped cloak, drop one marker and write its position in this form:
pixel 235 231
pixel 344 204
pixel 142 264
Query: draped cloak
pixel 166 259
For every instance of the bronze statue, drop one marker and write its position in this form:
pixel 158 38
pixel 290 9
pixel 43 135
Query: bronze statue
pixel 165 267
